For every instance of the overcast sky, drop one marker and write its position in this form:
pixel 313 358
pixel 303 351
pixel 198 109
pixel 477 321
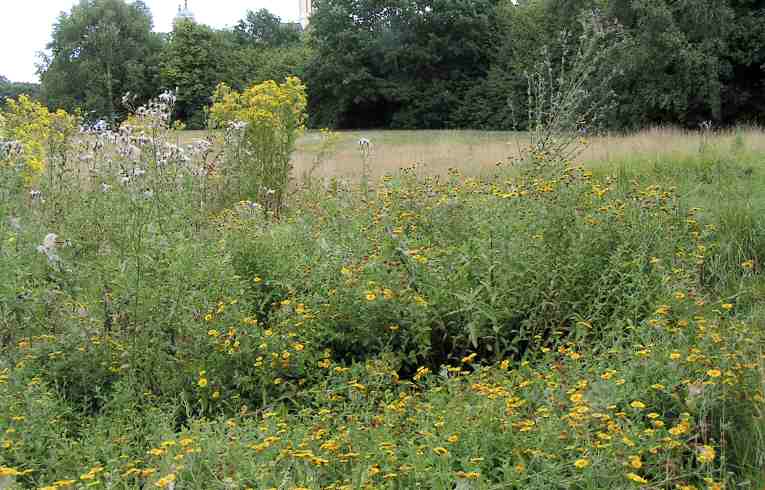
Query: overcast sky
pixel 25 25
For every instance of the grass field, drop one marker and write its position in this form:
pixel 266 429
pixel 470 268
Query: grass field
pixel 478 152
pixel 543 326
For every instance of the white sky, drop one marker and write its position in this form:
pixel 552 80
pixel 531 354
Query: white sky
pixel 26 25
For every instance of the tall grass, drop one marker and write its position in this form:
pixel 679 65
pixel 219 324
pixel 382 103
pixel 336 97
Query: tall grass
pixel 479 152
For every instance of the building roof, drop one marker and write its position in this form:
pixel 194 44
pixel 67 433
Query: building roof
pixel 184 13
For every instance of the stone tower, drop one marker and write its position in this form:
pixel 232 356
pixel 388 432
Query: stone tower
pixel 306 9
pixel 184 13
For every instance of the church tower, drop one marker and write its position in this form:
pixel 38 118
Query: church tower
pixel 184 13
pixel 306 9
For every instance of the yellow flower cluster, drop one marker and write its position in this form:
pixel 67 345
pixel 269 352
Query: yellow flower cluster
pixel 41 133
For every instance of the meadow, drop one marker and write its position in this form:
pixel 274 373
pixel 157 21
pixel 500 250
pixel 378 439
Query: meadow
pixel 479 152
pixel 414 315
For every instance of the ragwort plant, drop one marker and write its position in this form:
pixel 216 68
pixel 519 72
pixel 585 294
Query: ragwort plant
pixel 271 116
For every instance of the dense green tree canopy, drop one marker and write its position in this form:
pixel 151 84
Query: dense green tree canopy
pixel 193 63
pixel 419 63
pixel 398 63
pixel 262 28
pixel 11 90
pixel 98 52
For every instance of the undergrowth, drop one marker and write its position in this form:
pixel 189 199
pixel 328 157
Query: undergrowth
pixel 542 327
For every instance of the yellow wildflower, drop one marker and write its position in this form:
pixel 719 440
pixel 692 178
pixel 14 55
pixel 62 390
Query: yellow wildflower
pixel 166 481
pixel 713 485
pixel 469 359
pixel 470 475
pixel 6 471
pixel 582 463
pixel 636 478
pixel 441 451
pixel 706 454
pixel 576 397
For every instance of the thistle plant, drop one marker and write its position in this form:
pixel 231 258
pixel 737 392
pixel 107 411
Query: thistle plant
pixel 327 147
pixel 365 150
pixel 568 90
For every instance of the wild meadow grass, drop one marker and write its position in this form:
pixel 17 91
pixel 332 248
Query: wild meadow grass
pixel 533 326
pixel 477 153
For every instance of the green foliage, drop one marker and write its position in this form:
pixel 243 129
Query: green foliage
pixel 254 65
pixel 98 52
pixel 264 29
pixel 678 62
pixel 420 331
pixel 12 90
pixel 193 65
pixel 403 64
pixel 44 136
pixel 419 63
pixel 673 71
pixel 312 350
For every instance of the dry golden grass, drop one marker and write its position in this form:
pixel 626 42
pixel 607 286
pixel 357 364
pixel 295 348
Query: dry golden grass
pixel 476 152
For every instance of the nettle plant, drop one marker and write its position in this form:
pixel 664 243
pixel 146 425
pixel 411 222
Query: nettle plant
pixel 264 122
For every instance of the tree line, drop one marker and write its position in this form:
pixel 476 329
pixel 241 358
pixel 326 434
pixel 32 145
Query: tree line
pixel 421 63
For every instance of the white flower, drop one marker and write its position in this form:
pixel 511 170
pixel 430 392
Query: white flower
pixel 35 194
pixel 105 187
pixel 100 126
pixel 237 125
pixel 50 241
pixel 148 193
pixel 125 180
pixel 167 97
pixel 10 149
pixel 48 247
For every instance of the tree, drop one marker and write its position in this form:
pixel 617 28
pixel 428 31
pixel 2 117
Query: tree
pixel 99 51
pixel 262 28
pixel 194 63
pixel 397 63
pixel 672 73
pixel 262 48
pixel 248 65
pixel 12 90
pixel 743 64
pixel 670 68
